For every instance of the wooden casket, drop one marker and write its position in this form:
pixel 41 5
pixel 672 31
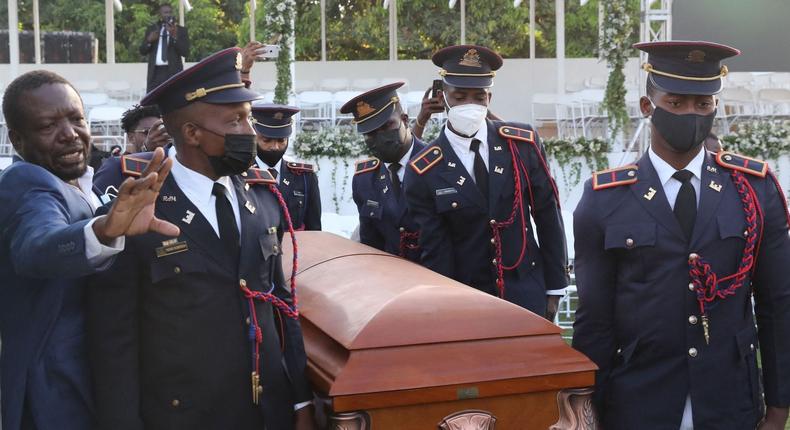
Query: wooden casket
pixel 392 345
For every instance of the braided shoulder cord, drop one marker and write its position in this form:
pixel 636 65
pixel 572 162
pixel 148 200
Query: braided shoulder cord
pixel 707 285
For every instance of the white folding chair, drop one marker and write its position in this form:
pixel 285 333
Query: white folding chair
pixel 90 100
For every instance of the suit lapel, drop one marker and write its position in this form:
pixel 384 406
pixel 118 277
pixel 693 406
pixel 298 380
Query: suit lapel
pixel 650 193
pixel 713 185
pixel 457 176
pixel 174 206
pixel 250 220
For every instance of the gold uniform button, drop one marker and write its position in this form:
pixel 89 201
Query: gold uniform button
pixel 454 205
pixel 242 282
pixel 693 256
pixel 745 233
pixel 371 214
pixel 247 320
pixel 532 264
pixel 629 243
pixel 492 222
pixel 693 319
pixel 728 158
pixel 619 351
pixel 751 346
pixel 631 173
pixel 493 241
pixel 175 403
pixel 691 287
pixel 177 270
pixel 493 262
pixel 692 352
pixel 401 229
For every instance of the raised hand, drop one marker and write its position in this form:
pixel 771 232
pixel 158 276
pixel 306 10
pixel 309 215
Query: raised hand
pixel 132 212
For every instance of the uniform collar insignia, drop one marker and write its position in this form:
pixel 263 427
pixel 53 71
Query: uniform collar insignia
pixel 188 217
pixel 651 192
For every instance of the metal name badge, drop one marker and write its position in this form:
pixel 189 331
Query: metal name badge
pixel 372 203
pixel 446 191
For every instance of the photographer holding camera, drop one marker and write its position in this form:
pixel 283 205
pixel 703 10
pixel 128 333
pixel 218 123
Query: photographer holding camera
pixel 165 43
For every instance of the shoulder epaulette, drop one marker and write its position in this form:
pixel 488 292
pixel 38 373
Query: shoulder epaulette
pixel 134 164
pixel 366 165
pixel 300 167
pixel 742 163
pixel 624 175
pixel 509 132
pixel 258 176
pixel 426 159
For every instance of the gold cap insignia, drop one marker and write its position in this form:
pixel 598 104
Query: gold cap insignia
pixel 238 61
pixel 364 109
pixel 278 115
pixel 471 59
pixel 696 56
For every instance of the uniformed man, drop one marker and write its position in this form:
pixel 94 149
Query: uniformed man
pixel 200 332
pixel 670 253
pixel 477 188
pixel 297 181
pixel 378 185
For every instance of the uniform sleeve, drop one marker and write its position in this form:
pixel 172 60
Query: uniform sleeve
pixel 368 233
pixel 772 299
pixel 313 213
pixel 44 241
pixel 435 242
pixel 548 221
pixel 596 274
pixel 113 342
pixel 294 355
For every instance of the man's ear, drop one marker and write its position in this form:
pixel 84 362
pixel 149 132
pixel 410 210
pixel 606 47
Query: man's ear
pixel 405 118
pixel 191 134
pixel 645 106
pixel 16 141
pixel 489 97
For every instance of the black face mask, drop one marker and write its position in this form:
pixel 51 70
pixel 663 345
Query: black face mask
pixel 682 132
pixel 240 152
pixel 270 157
pixel 387 145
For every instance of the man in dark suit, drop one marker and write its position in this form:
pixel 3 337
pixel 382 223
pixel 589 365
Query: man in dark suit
pixel 50 243
pixel 475 190
pixel 200 331
pixel 297 181
pixel 378 185
pixel 164 44
pixel 670 253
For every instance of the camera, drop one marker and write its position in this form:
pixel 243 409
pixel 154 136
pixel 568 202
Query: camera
pixel 170 20
pixel 267 52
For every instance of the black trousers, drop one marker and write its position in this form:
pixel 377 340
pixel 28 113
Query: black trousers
pixel 161 74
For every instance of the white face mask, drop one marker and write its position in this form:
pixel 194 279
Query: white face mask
pixel 466 119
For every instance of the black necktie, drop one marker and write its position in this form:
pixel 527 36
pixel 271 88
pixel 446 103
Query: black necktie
pixel 394 167
pixel 228 231
pixel 163 50
pixel 686 203
pixel 273 171
pixel 481 173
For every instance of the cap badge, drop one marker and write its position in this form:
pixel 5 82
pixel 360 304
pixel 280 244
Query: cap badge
pixel 364 109
pixel 696 56
pixel 471 59
pixel 238 61
pixel 278 115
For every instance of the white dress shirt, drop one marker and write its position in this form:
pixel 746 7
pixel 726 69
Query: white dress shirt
pixel 97 254
pixel 671 185
pixel 403 162
pixel 159 61
pixel 671 189
pixel 197 187
pixel 461 147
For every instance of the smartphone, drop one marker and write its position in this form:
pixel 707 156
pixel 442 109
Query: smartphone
pixel 436 87
pixel 267 51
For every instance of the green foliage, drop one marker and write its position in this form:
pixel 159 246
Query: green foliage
pixel 569 155
pixel 336 141
pixel 615 46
